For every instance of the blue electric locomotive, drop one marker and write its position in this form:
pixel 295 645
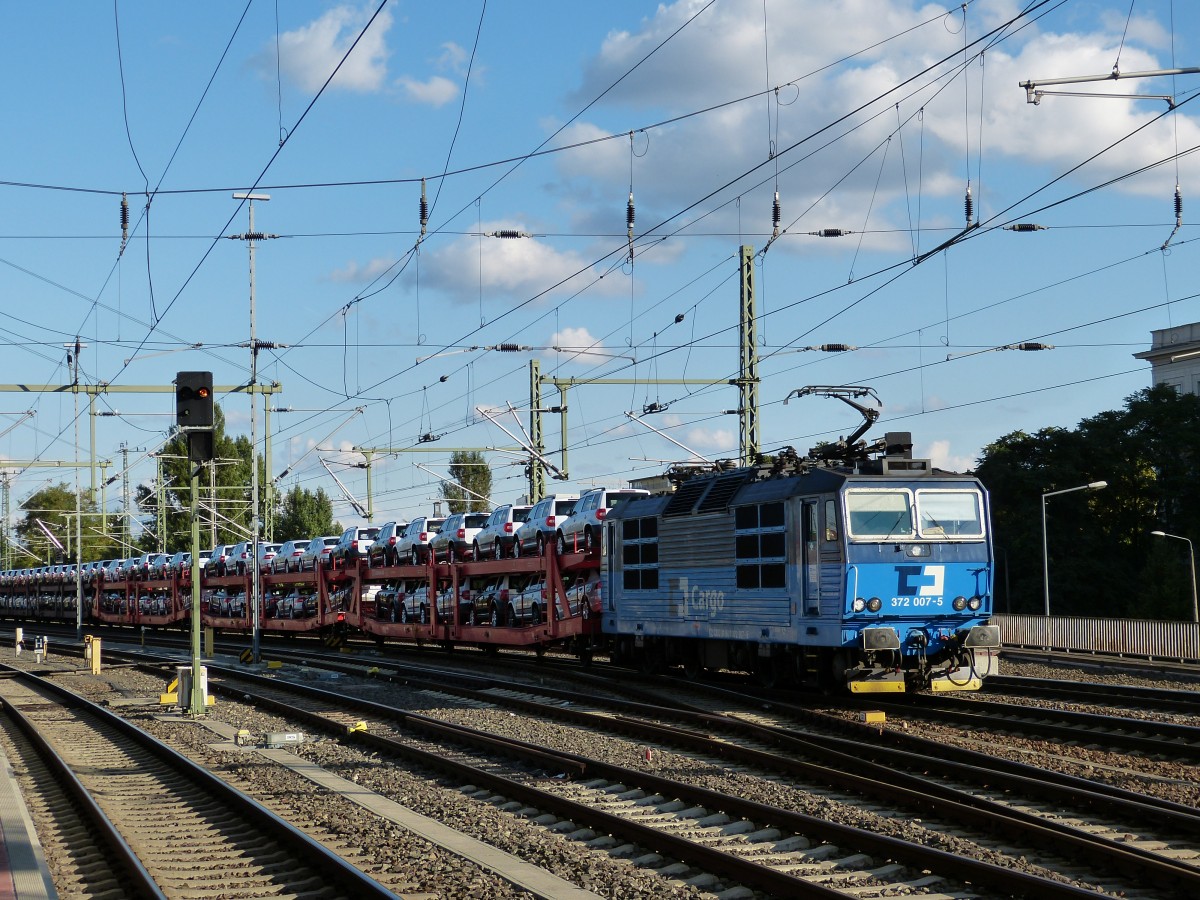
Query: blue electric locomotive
pixel 872 570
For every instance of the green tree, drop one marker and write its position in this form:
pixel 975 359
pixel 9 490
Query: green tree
pixel 54 507
pixel 224 489
pixel 304 514
pixel 1102 559
pixel 468 469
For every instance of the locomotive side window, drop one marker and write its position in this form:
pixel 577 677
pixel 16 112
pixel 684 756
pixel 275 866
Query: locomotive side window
pixel 639 554
pixel 880 514
pixel 831 529
pixel 760 546
pixel 809 562
pixel 950 513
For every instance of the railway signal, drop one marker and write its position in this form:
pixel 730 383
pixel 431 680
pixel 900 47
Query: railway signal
pixel 194 399
pixel 194 413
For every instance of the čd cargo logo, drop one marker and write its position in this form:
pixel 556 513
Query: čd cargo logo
pixel 697 601
pixel 920 581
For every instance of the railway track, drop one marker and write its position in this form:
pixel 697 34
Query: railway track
pixel 164 826
pixel 874 764
pixel 701 836
pixel 1121 696
pixel 1153 844
pixel 442 680
pixel 971 797
pixel 1068 727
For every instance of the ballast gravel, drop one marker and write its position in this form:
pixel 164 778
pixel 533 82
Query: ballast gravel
pixel 413 867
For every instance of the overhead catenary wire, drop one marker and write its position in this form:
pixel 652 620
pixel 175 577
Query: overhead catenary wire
pixel 693 323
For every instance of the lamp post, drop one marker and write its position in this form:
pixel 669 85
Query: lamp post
pixel 1093 486
pixel 1192 559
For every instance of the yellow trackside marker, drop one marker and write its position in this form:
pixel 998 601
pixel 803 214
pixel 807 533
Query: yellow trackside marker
pixel 874 717
pixel 171 699
pixel 274 664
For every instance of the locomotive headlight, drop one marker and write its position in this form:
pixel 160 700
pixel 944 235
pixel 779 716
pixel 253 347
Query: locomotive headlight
pixel 975 602
pixel 859 604
pixel 874 604
pixel 960 603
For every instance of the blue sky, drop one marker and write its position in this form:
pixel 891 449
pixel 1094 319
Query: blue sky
pixel 541 119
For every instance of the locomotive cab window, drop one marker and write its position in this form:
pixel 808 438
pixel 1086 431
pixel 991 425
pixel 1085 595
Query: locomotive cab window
pixel 879 514
pixel 950 513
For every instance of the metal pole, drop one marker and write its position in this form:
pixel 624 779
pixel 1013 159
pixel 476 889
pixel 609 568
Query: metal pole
pixel 7 535
pixel 537 471
pixel 370 501
pixel 160 502
pixel 78 517
pixel 255 523
pixel 254 510
pixel 125 520
pixel 269 493
pixel 196 705
pixel 92 446
pixel 1045 559
pixel 748 370
pixel 212 502
pixel 1192 560
pixel 1091 486
pixel 1195 597
pixel 562 427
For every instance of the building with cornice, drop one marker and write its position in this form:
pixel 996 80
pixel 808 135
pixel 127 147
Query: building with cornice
pixel 1174 357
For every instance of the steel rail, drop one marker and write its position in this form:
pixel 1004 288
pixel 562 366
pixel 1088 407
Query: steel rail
pixel 844 764
pixel 1170 700
pixel 1116 731
pixel 127 860
pixel 338 870
pixel 749 873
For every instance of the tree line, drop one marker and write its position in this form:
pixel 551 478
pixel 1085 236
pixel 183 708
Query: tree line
pixel 1102 557
pixel 224 489
pixel 226 499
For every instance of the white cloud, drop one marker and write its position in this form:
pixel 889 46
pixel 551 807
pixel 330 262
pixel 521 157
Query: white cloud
pixel 343 455
pixel 309 54
pixel 454 58
pixel 709 442
pixel 507 269
pixel 361 272
pixel 1060 130
pixel 939 452
pixel 718 440
pixel 437 91
pixel 706 62
pixel 576 345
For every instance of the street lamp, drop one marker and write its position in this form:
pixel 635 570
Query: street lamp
pixel 1093 486
pixel 1192 559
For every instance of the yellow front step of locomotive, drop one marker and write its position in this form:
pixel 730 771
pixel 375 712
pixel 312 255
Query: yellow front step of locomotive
pixel 949 683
